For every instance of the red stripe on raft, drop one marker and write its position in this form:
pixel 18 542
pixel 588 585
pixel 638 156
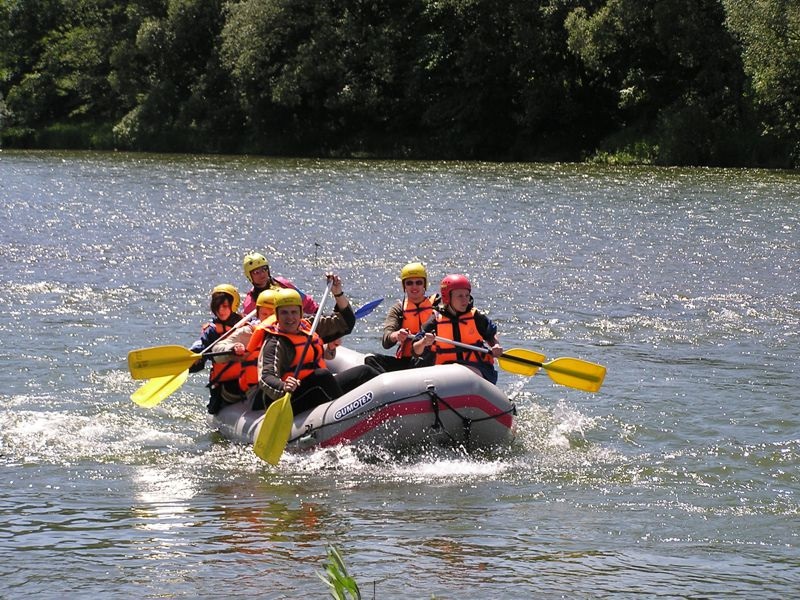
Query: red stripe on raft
pixel 419 407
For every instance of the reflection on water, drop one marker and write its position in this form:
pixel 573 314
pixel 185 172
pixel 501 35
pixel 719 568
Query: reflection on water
pixel 678 478
pixel 162 499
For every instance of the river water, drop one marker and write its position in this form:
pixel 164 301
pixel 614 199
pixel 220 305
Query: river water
pixel 678 479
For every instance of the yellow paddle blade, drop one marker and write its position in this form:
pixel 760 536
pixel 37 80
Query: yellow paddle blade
pixel 147 363
pixel 576 373
pixel 154 391
pixel 275 430
pixel 521 361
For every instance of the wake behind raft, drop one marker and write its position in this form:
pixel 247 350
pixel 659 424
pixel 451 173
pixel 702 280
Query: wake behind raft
pixel 443 405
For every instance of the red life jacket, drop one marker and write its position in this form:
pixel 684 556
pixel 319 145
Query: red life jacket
pixel 414 316
pixel 460 329
pixel 313 357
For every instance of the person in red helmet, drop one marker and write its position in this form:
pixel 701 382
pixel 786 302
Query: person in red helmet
pixel 459 321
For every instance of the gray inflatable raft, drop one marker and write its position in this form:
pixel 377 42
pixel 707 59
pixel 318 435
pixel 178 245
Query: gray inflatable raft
pixel 440 405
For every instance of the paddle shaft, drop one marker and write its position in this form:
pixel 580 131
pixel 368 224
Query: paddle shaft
pixel 317 317
pixel 527 361
pixel 239 324
pixel 564 371
pixel 220 353
pixel 487 351
pixel 469 347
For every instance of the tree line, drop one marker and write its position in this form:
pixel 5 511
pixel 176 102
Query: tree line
pixel 678 82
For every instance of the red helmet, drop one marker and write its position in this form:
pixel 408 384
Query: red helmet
pixel 454 282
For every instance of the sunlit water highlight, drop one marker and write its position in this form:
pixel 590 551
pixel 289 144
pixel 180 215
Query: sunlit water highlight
pixel 679 479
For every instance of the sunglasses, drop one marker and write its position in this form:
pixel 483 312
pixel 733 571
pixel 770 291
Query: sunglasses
pixel 410 282
pixel 260 270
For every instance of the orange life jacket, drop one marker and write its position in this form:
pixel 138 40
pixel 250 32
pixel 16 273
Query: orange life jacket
pixel 308 361
pixel 249 361
pixel 227 371
pixel 257 339
pixel 414 316
pixel 459 329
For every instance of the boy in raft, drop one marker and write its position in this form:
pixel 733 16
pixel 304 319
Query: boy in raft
pixel 459 321
pixel 404 320
pixel 224 378
pixel 284 347
pixel 256 269
pixel 245 344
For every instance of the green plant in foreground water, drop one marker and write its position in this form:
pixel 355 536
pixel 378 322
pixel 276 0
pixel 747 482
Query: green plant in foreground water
pixel 339 580
pixel 342 585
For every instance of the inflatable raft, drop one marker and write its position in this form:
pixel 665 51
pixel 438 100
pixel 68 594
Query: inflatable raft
pixel 432 406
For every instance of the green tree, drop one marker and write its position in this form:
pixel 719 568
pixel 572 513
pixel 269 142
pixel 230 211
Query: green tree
pixel 167 70
pixel 56 69
pixel 463 77
pixel 560 108
pixel 769 31
pixel 675 81
pixel 677 74
pixel 319 74
pixel 24 29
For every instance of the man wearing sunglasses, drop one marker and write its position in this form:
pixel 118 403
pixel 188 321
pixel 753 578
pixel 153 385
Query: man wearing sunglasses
pixel 404 320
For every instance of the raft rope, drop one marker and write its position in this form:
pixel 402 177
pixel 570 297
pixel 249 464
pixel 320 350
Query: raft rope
pixel 465 421
pixel 436 426
pixel 437 422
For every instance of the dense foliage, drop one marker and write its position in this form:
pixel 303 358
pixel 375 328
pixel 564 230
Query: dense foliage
pixel 713 82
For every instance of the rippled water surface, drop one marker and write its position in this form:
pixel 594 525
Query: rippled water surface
pixel 678 479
